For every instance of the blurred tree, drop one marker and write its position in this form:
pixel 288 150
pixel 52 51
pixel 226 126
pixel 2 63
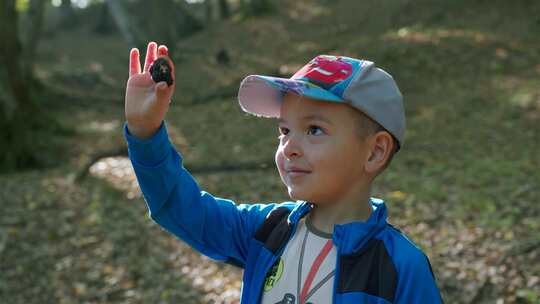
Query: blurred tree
pixel 212 11
pixel 120 17
pixel 35 14
pixel 105 22
pixel 224 9
pixel 165 21
pixel 67 14
pixel 169 20
pixel 256 7
pixel 208 11
pixel 22 120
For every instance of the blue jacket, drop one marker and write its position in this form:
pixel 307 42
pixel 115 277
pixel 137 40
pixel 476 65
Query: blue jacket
pixel 376 263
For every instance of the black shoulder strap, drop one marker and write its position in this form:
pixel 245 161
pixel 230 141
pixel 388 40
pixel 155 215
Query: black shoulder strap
pixel 273 232
pixel 275 229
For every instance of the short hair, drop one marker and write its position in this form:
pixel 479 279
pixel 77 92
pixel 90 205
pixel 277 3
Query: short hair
pixel 366 126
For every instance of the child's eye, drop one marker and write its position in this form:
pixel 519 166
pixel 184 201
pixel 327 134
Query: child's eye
pixel 315 130
pixel 283 131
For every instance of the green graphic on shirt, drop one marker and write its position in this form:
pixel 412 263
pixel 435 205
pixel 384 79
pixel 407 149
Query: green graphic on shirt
pixel 273 275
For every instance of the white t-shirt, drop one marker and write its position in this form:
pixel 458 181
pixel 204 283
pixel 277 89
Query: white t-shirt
pixel 305 269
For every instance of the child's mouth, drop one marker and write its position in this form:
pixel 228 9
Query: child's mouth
pixel 296 172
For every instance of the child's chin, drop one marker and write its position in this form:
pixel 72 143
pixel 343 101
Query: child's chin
pixel 297 195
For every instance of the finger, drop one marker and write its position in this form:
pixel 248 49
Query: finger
pixel 134 62
pixel 151 54
pixel 164 92
pixel 163 50
pixel 161 90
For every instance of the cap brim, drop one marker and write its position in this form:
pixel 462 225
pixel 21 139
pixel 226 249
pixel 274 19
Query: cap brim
pixel 262 95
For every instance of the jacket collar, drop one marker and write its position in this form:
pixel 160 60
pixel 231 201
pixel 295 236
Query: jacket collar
pixel 350 237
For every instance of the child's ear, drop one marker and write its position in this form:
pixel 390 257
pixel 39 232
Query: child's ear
pixel 380 146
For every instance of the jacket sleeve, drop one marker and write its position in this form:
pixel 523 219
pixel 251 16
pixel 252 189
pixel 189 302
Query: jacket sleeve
pixel 416 281
pixel 216 227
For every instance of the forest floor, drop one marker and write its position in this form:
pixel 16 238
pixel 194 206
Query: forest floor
pixel 465 187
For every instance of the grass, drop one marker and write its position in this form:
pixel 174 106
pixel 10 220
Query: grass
pixel 464 187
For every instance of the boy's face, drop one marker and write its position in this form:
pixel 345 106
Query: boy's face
pixel 320 157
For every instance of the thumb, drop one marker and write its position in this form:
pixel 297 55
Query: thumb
pixel 162 92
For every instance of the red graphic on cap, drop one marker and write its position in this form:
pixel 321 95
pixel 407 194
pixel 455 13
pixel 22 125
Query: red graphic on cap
pixel 325 70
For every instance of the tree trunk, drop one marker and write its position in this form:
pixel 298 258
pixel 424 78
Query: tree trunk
pixel 105 23
pixel 208 11
pixel 259 7
pixel 187 23
pixel 11 50
pixel 165 21
pixel 224 9
pixel 164 30
pixel 121 19
pixel 20 116
pixel 67 14
pixel 243 4
pixel 35 14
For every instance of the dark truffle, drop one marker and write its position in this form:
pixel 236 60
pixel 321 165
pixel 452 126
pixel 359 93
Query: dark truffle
pixel 161 71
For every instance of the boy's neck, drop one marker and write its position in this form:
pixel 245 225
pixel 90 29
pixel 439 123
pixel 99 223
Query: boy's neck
pixel 325 216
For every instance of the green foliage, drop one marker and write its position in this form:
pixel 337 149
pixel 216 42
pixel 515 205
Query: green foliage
pixel 22 5
pixel 528 295
pixel 258 8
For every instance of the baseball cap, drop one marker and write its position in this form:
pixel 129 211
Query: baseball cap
pixel 358 83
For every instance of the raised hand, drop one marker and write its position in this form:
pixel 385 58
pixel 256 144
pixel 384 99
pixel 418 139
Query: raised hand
pixel 146 102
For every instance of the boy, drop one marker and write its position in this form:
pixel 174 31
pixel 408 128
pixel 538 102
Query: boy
pixel 340 122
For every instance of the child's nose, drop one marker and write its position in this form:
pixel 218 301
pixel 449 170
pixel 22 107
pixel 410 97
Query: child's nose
pixel 292 147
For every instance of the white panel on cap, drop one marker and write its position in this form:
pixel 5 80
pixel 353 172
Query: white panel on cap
pixel 259 98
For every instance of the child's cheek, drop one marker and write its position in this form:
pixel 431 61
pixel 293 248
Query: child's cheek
pixel 280 160
pixel 319 139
